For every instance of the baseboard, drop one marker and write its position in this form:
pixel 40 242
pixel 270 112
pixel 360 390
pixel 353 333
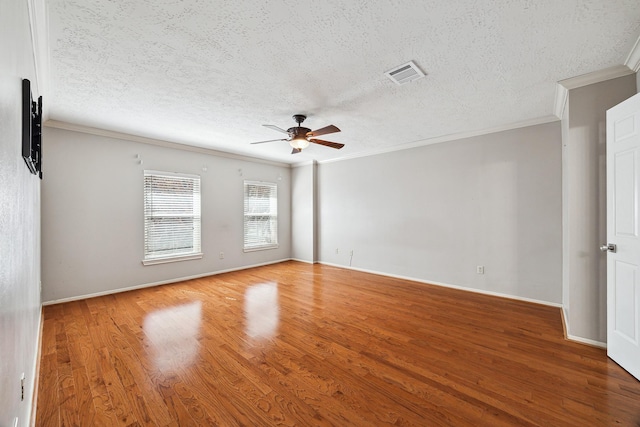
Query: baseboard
pixel 586 341
pixel 36 372
pixel 163 282
pixel 565 325
pixel 303 260
pixel 447 285
pixel 565 319
pixel 569 337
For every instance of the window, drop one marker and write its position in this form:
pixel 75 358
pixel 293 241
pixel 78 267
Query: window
pixel 260 215
pixel 171 217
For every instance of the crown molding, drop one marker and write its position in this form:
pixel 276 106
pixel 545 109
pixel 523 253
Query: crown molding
pixel 596 77
pixel 446 138
pixel 564 86
pixel 633 60
pixel 157 142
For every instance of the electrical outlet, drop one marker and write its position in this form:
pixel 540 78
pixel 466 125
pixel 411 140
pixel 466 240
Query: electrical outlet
pixel 480 269
pixel 221 255
pixel 337 251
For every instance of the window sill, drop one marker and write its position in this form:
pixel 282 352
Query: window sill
pixel 260 248
pixel 176 258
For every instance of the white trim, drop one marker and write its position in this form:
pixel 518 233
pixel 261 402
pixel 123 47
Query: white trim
pixel 484 292
pixel 304 261
pixel 633 60
pixel 161 143
pixel 395 276
pixel 35 373
pixel 586 341
pixel 174 258
pixel 261 248
pixel 171 174
pixel 596 77
pixel 247 267
pixel 565 321
pixel 446 285
pixel 162 282
pixel 564 86
pixel 444 138
pixel 569 337
pixel 560 101
pixel 254 182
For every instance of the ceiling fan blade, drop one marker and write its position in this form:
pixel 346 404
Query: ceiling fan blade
pixel 276 128
pixel 327 143
pixel 269 140
pixel 323 131
pixel 296 150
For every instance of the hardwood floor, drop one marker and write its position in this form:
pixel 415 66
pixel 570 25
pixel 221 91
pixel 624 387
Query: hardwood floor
pixel 304 345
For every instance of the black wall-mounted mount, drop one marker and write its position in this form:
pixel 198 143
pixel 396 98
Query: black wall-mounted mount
pixel 31 130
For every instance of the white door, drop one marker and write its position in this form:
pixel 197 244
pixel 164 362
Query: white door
pixel 623 233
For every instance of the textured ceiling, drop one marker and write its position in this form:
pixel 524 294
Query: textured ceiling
pixel 210 73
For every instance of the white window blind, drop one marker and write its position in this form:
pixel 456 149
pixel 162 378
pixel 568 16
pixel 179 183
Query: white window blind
pixel 171 216
pixel 260 215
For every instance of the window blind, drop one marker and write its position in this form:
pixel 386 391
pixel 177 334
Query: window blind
pixel 260 215
pixel 171 215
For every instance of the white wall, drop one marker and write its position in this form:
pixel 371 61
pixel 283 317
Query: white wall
pixel 303 213
pixel 19 222
pixel 584 176
pixel 434 213
pixel 92 227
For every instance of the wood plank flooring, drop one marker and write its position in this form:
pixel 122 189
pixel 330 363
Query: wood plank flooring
pixel 311 345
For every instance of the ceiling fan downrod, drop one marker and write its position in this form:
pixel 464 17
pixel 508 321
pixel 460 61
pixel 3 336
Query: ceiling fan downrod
pixel 299 118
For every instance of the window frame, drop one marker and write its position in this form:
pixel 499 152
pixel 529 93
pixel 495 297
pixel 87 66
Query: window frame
pixel 196 215
pixel 273 214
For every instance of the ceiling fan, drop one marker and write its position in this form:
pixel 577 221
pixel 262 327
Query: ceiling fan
pixel 300 137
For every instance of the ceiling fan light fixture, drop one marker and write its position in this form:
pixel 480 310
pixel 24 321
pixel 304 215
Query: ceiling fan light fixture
pixel 299 142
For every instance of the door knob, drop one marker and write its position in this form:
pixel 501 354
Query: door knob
pixel 610 247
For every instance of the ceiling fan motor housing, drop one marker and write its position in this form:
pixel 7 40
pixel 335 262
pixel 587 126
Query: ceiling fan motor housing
pixel 298 130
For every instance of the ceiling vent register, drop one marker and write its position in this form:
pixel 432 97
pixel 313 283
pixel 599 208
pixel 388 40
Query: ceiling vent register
pixel 405 73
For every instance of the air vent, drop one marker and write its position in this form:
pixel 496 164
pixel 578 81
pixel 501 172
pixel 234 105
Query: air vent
pixel 405 73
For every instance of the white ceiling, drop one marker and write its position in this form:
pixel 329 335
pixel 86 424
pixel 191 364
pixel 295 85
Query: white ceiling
pixel 210 73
